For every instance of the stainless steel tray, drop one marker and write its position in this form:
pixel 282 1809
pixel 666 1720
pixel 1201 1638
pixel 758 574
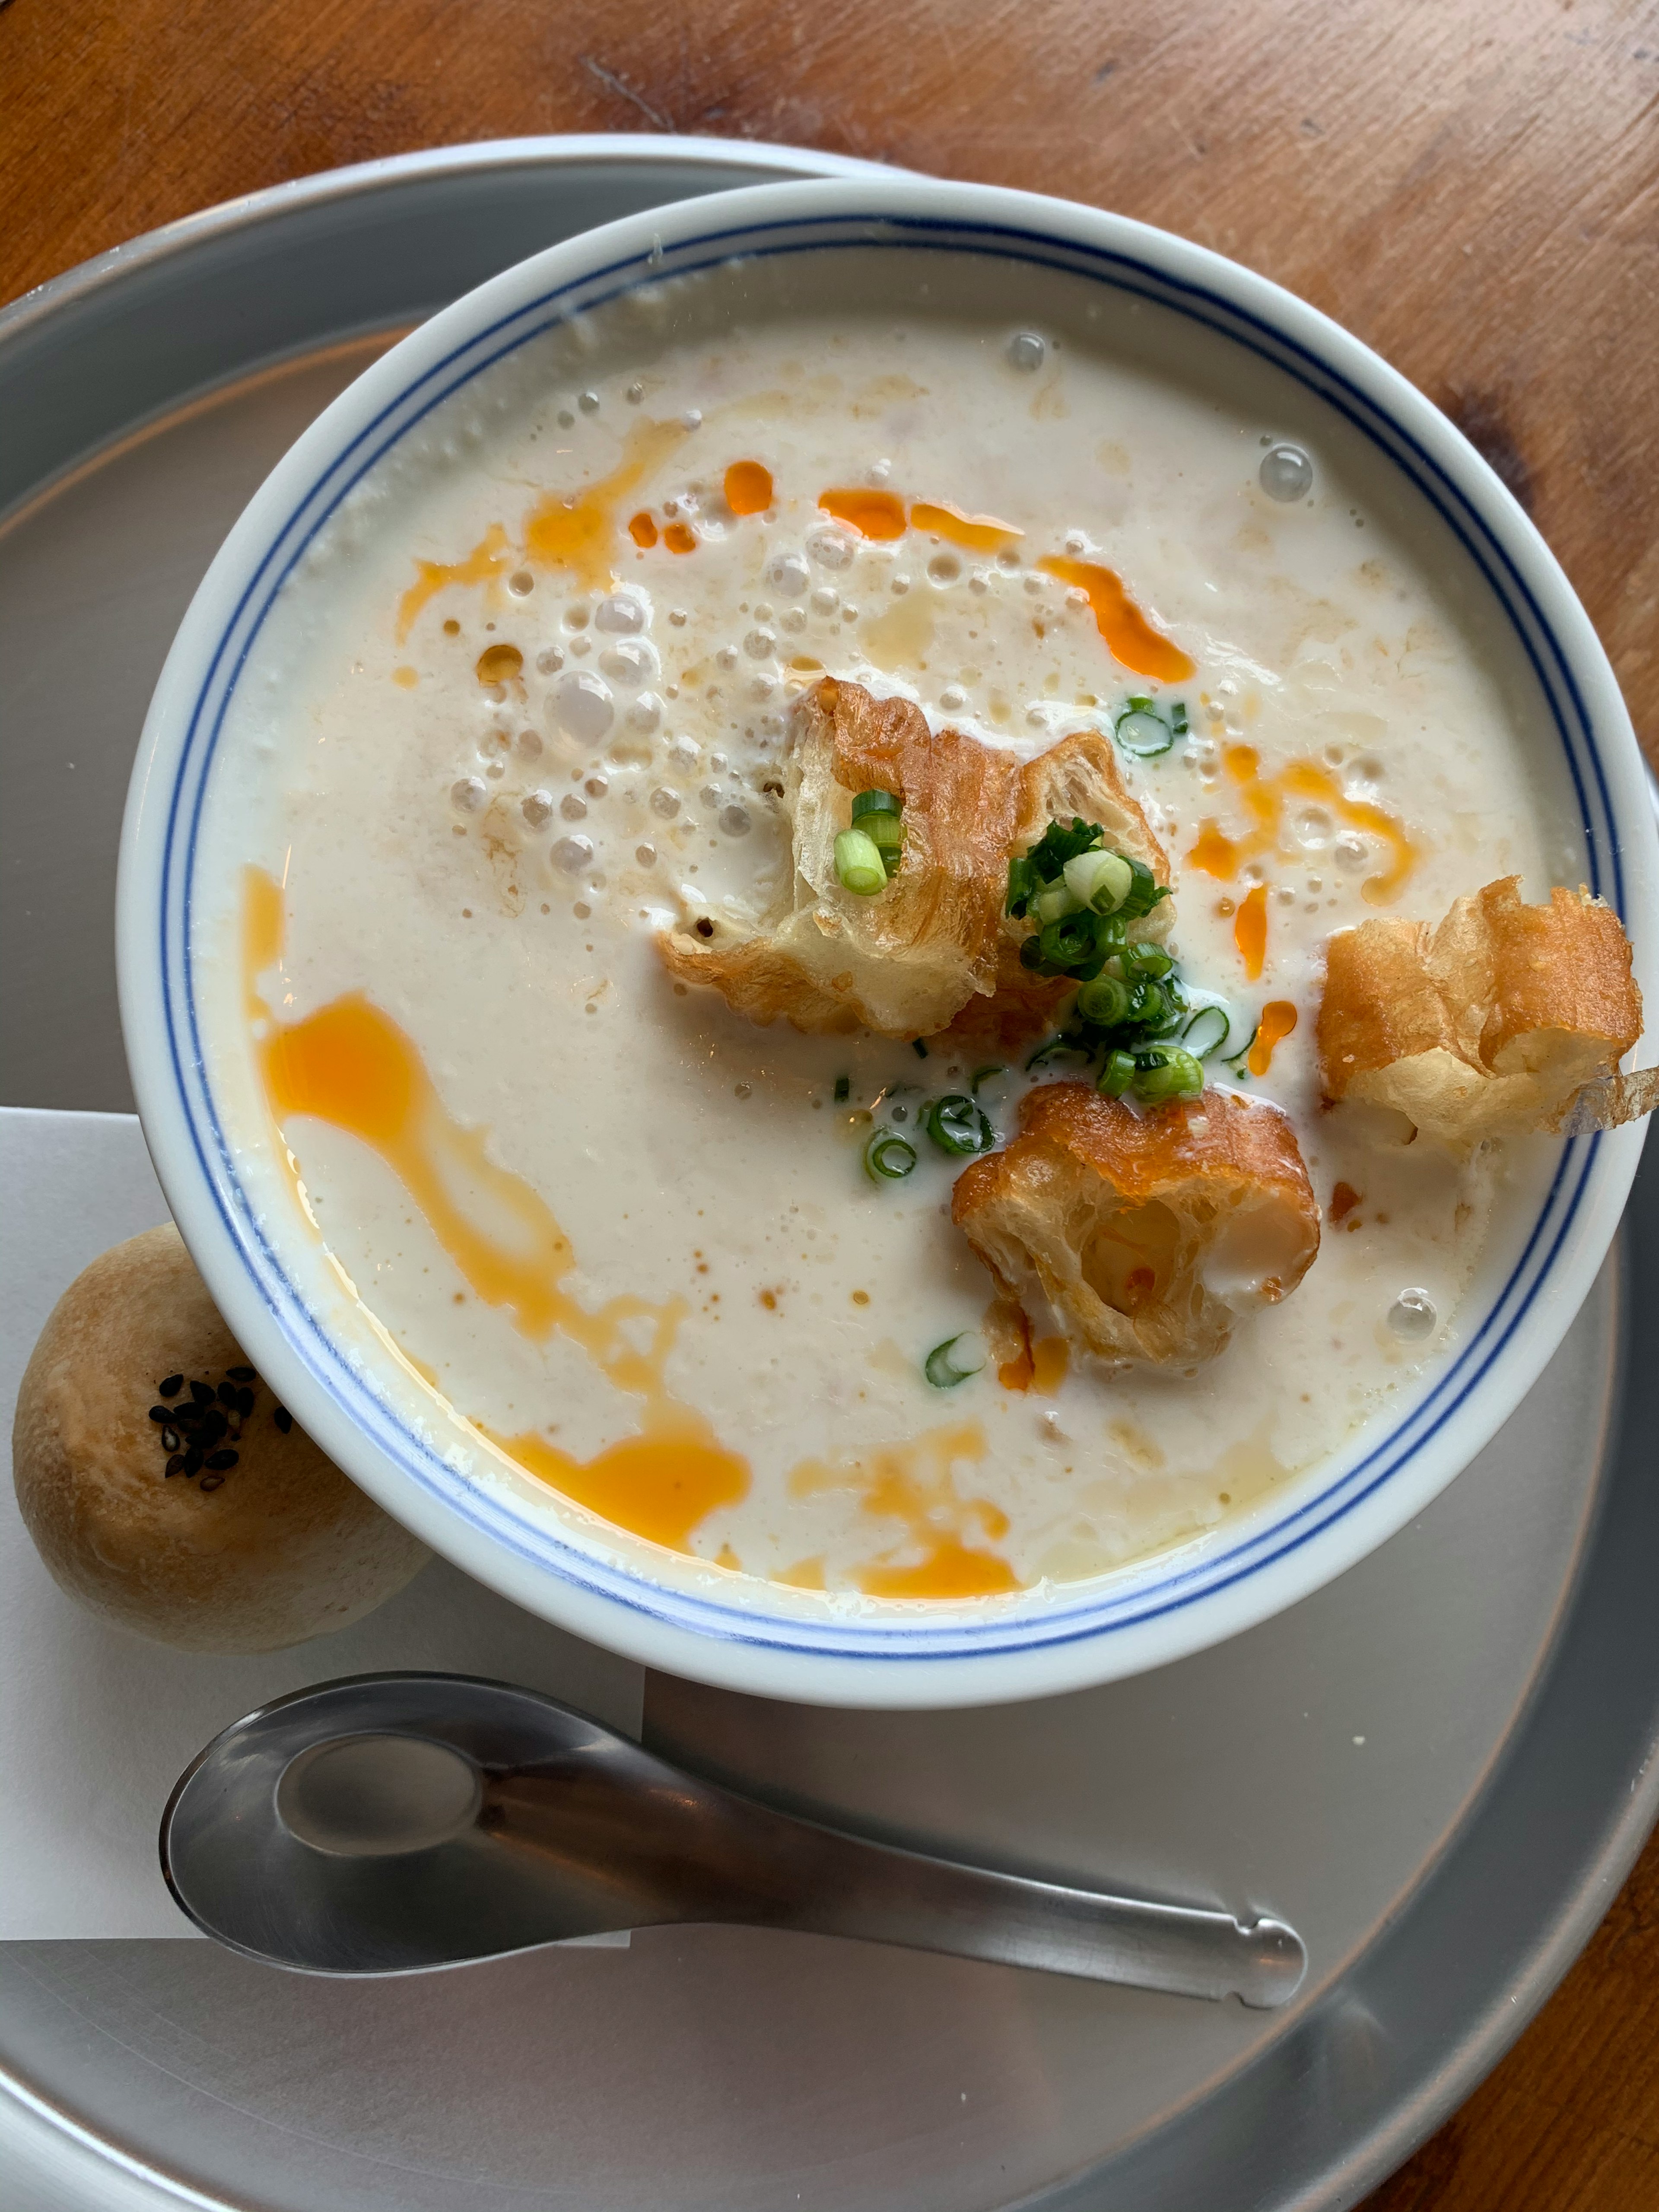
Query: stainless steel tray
pixel 1440 1767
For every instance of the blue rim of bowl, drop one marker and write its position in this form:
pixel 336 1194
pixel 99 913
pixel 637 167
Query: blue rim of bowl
pixel 1002 1633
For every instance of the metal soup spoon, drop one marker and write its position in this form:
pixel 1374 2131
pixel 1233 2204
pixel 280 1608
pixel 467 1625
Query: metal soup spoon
pixel 393 1822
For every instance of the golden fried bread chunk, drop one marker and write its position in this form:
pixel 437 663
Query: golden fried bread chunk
pixel 1145 1236
pixel 1493 1021
pixel 907 960
pixel 165 1488
pixel 1076 780
pixel 902 961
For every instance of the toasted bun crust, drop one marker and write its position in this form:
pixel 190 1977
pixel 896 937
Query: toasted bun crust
pixel 284 1547
pixel 1146 1234
pixel 908 962
pixel 1493 1021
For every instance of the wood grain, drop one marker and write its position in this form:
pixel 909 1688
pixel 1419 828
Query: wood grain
pixel 1470 188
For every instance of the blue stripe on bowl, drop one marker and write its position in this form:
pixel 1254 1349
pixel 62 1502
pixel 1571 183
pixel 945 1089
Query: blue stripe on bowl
pixel 1003 1631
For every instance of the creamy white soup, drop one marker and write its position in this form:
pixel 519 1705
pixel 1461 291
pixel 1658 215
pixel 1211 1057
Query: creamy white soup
pixel 607 1244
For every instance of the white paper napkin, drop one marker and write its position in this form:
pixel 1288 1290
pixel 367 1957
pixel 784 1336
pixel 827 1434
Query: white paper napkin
pixel 96 1724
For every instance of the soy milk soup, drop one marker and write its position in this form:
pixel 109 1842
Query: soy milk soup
pixel 526 703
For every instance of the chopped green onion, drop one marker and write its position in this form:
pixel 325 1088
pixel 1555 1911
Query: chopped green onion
pixel 889 1158
pixel 886 833
pixel 1178 717
pixel 1239 1062
pixel 945 1368
pixel 920 1050
pixel 1207 1032
pixel 1143 894
pixel 1100 881
pixel 1055 902
pixel 876 802
pixel 1167 1075
pixel 1141 731
pixel 1105 1002
pixel 1070 939
pixel 859 864
pixel 984 1074
pixel 1147 1004
pixel 1023 881
pixel 1143 960
pixel 1117 1073
pixel 843 1089
pixel 956 1125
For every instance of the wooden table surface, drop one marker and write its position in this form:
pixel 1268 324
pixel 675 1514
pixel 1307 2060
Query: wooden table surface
pixel 1474 189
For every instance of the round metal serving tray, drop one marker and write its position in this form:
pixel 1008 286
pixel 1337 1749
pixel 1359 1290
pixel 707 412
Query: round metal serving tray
pixel 1440 1767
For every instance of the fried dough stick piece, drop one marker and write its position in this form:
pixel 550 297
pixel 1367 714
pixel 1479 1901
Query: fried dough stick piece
pixel 934 940
pixel 1077 779
pixel 1147 1235
pixel 1495 1022
pixel 899 963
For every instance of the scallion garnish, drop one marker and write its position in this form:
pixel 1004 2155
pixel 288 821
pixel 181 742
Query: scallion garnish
pixel 1100 881
pixel 1084 900
pixel 877 813
pixel 889 1158
pixel 1142 731
pixel 1178 717
pixel 956 1125
pixel 944 1366
pixel 1167 1074
pixel 1239 1062
pixel 1117 1072
pixel 843 1089
pixel 984 1074
pixel 1144 959
pixel 859 864
pixel 1104 1002
pixel 1207 1031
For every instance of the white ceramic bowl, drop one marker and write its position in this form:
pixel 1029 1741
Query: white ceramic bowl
pixel 1143 1615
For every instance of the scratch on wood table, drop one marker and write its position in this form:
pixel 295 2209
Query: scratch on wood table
pixel 1470 188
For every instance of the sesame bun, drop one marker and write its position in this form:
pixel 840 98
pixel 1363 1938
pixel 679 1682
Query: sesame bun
pixel 166 1489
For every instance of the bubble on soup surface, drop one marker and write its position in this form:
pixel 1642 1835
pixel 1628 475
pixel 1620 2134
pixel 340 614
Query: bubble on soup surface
pixel 633 662
pixel 623 614
pixel 1026 349
pixel 1312 829
pixel 551 659
pixel 572 854
pixel 1286 472
pixel 582 706
pixel 832 547
pixel 944 568
pixel 646 712
pixel 759 644
pixel 467 796
pixel 1412 1316
pixel 521 583
pixel 572 808
pixel 664 802
pixel 537 808
pixel 825 599
pixel 788 571
pixel 529 745
pixel 734 820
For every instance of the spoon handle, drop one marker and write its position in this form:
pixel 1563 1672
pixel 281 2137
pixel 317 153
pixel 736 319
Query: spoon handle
pixel 850 1886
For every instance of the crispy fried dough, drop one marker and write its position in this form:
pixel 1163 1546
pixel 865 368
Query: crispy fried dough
pixel 903 962
pixel 1077 779
pixel 1493 1021
pixel 1147 1235
pixel 934 942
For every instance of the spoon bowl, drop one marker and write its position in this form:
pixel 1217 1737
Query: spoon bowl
pixel 392 1823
